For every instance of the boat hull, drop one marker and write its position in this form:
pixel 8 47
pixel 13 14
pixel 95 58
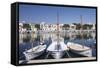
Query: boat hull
pixel 57 54
pixel 29 54
pixel 80 49
pixel 87 53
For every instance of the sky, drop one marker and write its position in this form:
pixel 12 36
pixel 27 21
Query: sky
pixel 48 14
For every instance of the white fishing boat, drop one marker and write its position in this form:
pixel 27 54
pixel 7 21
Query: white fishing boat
pixel 57 48
pixel 34 52
pixel 80 49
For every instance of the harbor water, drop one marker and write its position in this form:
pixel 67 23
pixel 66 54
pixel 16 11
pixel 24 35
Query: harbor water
pixel 27 39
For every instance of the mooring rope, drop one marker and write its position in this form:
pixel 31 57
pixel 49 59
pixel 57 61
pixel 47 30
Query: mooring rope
pixel 68 54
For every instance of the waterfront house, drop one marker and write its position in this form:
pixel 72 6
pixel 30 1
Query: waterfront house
pixel 33 28
pixel 93 27
pixel 50 27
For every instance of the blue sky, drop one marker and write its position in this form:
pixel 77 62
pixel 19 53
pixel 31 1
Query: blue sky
pixel 48 14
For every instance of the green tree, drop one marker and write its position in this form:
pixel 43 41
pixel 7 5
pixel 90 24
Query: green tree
pixel 66 26
pixel 27 26
pixel 90 26
pixel 78 26
pixel 37 26
pixel 87 26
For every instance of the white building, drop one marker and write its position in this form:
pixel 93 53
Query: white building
pixel 20 27
pixel 93 26
pixel 50 27
pixel 33 29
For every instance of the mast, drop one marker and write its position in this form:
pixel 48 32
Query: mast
pixel 57 28
pixel 81 22
pixel 81 28
pixel 57 47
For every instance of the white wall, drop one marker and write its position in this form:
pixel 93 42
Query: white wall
pixel 5 34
